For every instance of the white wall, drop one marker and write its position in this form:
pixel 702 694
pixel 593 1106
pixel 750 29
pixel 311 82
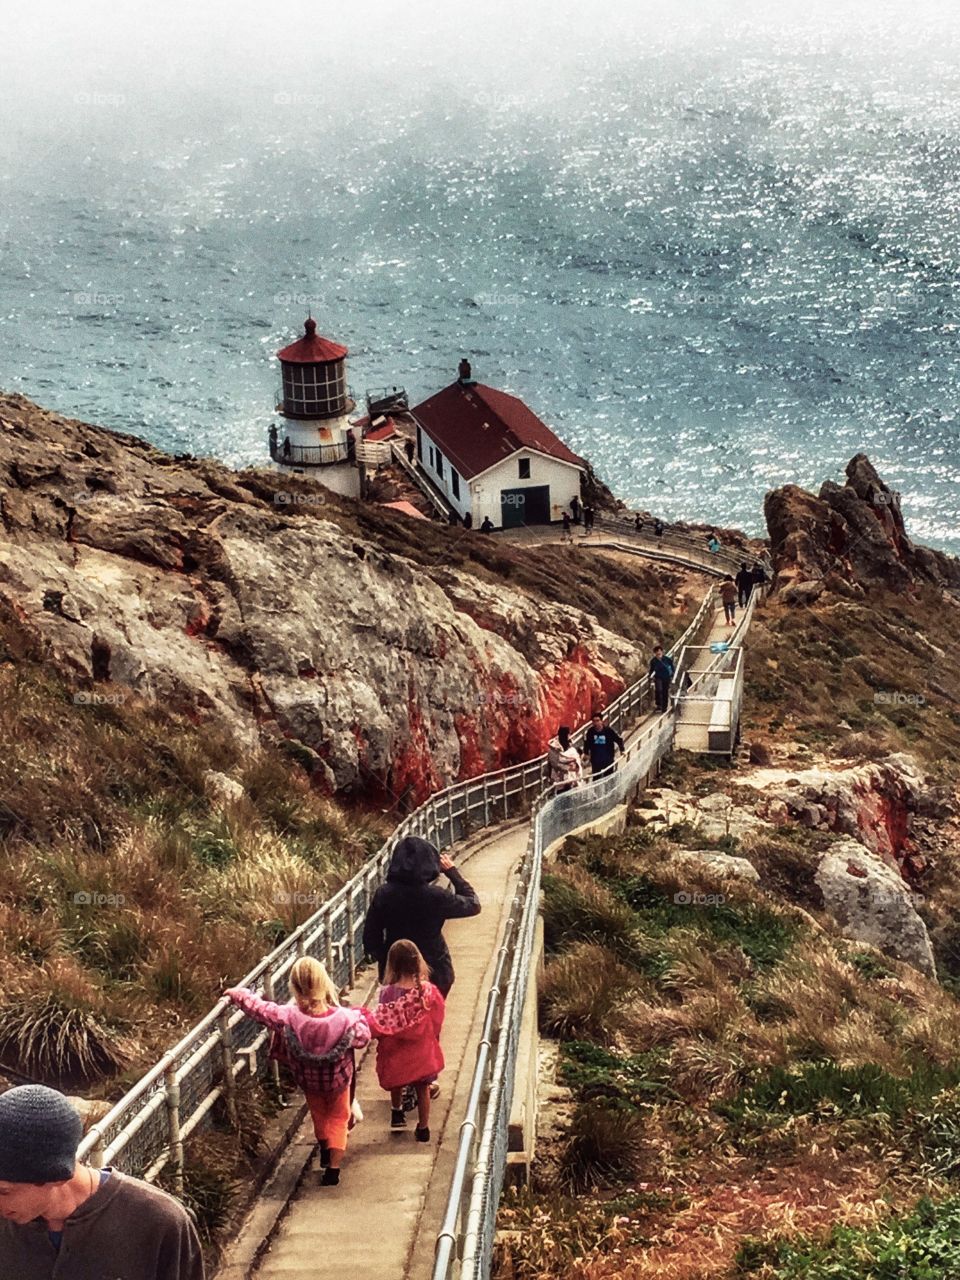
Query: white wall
pixel 462 504
pixel 563 479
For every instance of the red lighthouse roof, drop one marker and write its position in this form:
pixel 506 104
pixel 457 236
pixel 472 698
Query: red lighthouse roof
pixel 311 348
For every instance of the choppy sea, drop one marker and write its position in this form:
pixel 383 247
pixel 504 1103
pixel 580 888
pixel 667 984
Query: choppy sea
pixel 713 263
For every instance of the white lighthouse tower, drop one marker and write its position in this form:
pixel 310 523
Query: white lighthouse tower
pixel 315 438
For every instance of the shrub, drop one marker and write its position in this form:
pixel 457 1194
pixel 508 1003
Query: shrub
pixel 581 992
pixel 603 1146
pixel 576 907
pixel 52 1035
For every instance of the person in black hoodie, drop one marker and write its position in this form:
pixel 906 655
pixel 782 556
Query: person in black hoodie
pixel 410 905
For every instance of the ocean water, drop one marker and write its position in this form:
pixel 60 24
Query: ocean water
pixel 716 256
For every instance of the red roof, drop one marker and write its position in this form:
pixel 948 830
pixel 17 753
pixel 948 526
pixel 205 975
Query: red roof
pixel 312 348
pixel 476 427
pixel 384 432
pixel 406 508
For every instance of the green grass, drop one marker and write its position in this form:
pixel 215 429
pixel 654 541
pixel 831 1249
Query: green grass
pixel 923 1245
pixel 862 1090
pixel 624 1080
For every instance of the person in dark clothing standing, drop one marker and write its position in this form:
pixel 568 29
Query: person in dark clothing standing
pixel 658 527
pixel 599 745
pixel 409 450
pixel 661 668
pixel 410 905
pixel 487 526
pixel 588 519
pixel 744 581
pixel 575 509
pixel 759 575
pixel 464 372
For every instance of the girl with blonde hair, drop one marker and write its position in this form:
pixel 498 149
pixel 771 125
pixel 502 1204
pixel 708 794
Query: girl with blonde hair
pixel 315 1038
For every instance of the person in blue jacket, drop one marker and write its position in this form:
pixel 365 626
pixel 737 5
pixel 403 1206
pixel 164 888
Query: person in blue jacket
pixel 661 668
pixel 600 745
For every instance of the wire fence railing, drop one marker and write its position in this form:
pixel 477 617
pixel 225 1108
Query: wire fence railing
pixel 145 1131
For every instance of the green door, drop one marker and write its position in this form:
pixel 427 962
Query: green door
pixel 525 506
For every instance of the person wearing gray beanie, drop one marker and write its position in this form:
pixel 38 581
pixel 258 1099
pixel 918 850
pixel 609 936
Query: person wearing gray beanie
pixel 60 1217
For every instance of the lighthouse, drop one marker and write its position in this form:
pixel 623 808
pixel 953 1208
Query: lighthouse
pixel 315 439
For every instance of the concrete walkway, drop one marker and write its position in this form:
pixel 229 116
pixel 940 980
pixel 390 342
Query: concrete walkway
pixel 387 1208
pixel 383 1218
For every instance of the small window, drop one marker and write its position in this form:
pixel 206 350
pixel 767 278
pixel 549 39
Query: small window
pixel 455 482
pixel 432 463
pixel 419 444
pixel 439 464
pixel 524 468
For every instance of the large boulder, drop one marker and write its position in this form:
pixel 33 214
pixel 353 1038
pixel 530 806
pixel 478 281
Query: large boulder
pixel 873 903
pixel 849 539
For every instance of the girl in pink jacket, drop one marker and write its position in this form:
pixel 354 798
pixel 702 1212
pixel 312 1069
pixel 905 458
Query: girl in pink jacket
pixel 412 1055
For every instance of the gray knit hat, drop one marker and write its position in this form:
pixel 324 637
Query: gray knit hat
pixel 39 1135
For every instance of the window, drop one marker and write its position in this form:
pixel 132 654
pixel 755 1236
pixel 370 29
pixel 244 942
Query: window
pixel 432 463
pixel 439 464
pixel 419 444
pixel 524 468
pixel 454 482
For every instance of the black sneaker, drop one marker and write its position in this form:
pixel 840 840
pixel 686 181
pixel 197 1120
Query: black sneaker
pixel 324 1157
pixel 422 1135
pixel 397 1119
pixel 331 1178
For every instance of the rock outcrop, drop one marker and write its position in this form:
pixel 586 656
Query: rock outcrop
pixel 184 581
pixel 849 539
pixel 872 903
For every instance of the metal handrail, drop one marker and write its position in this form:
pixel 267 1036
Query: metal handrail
pixel 144 1130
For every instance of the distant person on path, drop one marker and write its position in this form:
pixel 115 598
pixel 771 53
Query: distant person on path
pixel 468 520
pixel 487 526
pixel 728 594
pixel 567 527
pixel 713 544
pixel 315 1038
pixel 658 527
pixel 411 1058
pixel 661 668
pixel 563 760
pixel 599 745
pixel 759 575
pixel 575 509
pixel 588 514
pixel 409 449
pixel 409 905
pixel 744 581
pixel 59 1218
pixel 286 446
pixel 638 523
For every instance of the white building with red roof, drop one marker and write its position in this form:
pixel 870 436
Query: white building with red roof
pixel 491 456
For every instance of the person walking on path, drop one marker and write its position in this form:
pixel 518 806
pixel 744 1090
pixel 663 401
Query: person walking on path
pixel 411 1058
pixel 575 509
pixel 658 527
pixel 744 581
pixel 62 1219
pixel 588 514
pixel 315 1037
pixel 661 668
pixel 638 523
pixel 408 449
pixel 713 544
pixel 728 595
pixel 567 528
pixel 409 905
pixel 563 759
pixel 759 575
pixel 600 744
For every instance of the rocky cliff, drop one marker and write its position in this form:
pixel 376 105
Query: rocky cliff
pixel 848 539
pixel 264 604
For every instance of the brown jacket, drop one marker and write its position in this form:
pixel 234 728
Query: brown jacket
pixel 728 592
pixel 127 1230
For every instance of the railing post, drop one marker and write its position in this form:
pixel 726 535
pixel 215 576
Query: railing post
pixel 351 949
pixel 450 815
pixel 328 944
pixel 486 804
pixel 226 1056
pixel 174 1140
pixel 273 1067
pixel 95 1159
pixel 505 799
